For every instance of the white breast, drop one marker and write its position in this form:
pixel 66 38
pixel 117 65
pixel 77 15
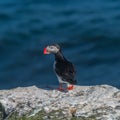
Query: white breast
pixel 59 78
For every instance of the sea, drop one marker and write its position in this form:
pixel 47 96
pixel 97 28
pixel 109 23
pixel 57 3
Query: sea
pixel 88 32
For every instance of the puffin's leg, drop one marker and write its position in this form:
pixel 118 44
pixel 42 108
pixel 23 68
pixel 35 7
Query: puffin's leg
pixel 70 87
pixel 60 87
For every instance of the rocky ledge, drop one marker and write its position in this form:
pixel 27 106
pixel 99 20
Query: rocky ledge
pixel 83 103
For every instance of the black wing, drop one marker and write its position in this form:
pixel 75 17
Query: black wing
pixel 66 70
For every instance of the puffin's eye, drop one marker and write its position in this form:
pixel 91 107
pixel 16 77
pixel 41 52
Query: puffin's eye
pixel 51 47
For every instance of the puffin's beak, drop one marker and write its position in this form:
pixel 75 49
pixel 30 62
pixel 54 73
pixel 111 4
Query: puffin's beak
pixel 45 51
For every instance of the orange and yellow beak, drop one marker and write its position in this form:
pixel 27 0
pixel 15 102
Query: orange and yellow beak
pixel 45 51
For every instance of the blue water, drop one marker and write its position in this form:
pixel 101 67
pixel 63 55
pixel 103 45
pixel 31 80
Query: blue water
pixel 87 30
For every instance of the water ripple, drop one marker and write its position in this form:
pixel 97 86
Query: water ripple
pixel 88 33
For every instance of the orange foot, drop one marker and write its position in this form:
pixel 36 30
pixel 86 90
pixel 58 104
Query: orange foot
pixel 70 87
pixel 61 89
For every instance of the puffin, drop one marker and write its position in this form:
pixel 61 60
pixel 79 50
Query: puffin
pixel 64 69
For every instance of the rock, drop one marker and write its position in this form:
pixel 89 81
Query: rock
pixel 84 102
pixel 2 112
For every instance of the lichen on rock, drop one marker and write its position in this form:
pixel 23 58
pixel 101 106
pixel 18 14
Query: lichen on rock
pixel 2 112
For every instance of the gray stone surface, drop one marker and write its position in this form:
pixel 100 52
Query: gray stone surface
pixel 102 101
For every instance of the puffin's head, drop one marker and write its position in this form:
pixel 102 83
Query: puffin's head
pixel 54 48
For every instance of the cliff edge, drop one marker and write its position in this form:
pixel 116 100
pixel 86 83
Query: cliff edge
pixel 84 103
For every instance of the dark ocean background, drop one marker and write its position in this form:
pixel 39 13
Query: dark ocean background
pixel 87 30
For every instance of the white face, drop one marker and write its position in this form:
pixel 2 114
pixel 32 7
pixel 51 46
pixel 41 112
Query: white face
pixel 52 49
